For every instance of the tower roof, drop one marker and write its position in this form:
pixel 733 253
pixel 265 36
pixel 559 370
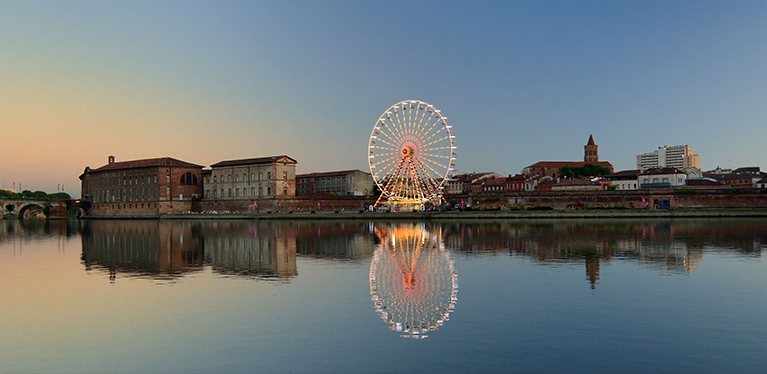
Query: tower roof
pixel 591 140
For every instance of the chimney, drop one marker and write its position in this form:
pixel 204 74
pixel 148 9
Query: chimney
pixel 111 159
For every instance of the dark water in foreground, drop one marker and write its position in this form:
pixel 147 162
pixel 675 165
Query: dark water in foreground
pixel 300 296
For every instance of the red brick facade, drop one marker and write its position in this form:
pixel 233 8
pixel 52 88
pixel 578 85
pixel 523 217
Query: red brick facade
pixel 145 187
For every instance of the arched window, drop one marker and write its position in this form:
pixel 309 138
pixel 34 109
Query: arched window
pixel 189 179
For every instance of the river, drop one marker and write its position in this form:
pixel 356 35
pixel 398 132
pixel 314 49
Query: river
pixel 647 295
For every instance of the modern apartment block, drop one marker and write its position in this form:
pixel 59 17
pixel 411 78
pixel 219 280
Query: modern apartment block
pixel 678 156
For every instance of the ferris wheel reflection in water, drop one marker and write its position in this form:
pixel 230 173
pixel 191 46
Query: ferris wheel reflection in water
pixel 413 283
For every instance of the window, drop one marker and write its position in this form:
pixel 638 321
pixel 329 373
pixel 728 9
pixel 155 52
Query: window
pixel 268 175
pixel 215 179
pixel 284 175
pixel 285 192
pixel 207 194
pixel 244 177
pixel 252 177
pixel 268 191
pixel 167 179
pixel 222 193
pixel 229 178
pixel 215 195
pixel 260 176
pixel 260 191
pixel 252 191
pixel 236 192
pixel 189 179
pixel 237 178
pixel 230 192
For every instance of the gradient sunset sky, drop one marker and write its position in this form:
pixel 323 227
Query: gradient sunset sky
pixel 520 81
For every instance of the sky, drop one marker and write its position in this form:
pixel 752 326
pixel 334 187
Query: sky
pixel 520 81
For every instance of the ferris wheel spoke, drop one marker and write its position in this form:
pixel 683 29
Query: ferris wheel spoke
pixel 439 124
pixel 424 166
pixel 436 163
pixel 387 143
pixel 385 160
pixel 386 134
pixel 435 141
pixel 429 129
pixel 433 155
pixel 398 126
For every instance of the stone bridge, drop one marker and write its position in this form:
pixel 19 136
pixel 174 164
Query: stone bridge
pixel 53 209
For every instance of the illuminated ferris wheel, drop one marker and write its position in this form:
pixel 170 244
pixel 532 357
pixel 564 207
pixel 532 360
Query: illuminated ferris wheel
pixel 410 153
pixel 413 283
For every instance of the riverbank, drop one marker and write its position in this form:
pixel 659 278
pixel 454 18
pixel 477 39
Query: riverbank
pixel 462 215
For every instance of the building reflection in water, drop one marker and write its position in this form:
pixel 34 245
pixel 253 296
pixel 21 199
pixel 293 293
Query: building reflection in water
pixel 147 248
pixel 413 282
pixel 167 250
pixel 265 251
pixel 669 246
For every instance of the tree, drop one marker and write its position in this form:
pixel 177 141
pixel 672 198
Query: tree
pixel 566 172
pixel 587 170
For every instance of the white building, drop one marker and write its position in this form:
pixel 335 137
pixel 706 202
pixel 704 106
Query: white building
pixel 662 177
pixel 678 156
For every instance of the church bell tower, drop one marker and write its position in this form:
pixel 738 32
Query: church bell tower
pixel 591 155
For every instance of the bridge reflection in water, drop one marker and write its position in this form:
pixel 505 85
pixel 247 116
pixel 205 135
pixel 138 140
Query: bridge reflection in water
pixel 413 282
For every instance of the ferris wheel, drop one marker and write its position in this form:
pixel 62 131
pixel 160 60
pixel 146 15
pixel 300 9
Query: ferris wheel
pixel 411 151
pixel 413 281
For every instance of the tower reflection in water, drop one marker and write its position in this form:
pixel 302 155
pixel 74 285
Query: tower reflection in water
pixel 413 282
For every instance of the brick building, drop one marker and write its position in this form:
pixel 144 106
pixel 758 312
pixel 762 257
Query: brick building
pixel 141 187
pixel 238 185
pixel 551 168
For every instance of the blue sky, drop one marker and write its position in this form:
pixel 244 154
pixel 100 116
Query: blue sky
pixel 519 81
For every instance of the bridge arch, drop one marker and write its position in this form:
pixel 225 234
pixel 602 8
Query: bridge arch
pixel 24 207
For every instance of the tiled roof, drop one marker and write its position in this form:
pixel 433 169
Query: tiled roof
pixel 656 171
pixel 621 174
pixel 148 162
pixel 252 161
pixel 704 182
pixel 576 182
pixel 329 174
pixel 559 164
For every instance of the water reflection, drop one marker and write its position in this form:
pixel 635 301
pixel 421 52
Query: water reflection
pixel 413 282
pixel 674 247
pixel 169 250
pixel 144 249
pixel 249 250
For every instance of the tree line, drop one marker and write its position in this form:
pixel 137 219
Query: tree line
pixel 27 194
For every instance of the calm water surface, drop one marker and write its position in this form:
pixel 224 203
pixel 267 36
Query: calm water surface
pixel 348 296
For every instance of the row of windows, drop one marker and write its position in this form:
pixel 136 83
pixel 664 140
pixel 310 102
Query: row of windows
pixel 228 192
pixel 109 196
pixel 125 206
pixel 245 177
